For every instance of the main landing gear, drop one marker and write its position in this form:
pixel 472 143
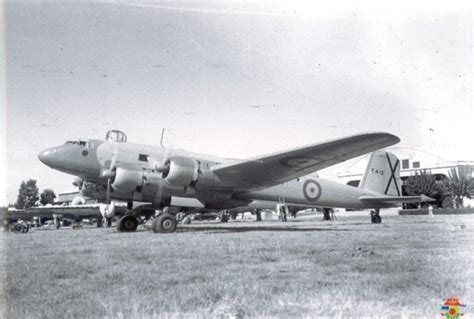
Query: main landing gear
pixel 164 223
pixel 127 223
pixel 375 216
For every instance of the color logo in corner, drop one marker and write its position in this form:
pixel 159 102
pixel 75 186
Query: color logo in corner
pixel 452 308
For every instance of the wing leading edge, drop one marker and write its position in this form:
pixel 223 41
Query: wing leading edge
pixel 280 167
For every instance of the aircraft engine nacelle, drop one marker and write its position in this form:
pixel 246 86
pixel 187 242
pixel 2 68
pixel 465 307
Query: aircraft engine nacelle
pixel 182 172
pixel 127 180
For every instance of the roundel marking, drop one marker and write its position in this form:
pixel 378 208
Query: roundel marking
pixel 311 190
pixel 299 161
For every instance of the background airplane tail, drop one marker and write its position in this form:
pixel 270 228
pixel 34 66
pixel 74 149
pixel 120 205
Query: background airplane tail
pixel 382 174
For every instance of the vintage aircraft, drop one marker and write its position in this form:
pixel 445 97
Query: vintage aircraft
pixel 173 178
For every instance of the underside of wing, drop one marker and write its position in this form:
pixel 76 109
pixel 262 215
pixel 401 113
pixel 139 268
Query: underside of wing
pixel 396 199
pixel 280 167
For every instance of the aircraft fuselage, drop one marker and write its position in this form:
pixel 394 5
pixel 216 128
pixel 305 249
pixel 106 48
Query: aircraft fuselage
pixel 146 173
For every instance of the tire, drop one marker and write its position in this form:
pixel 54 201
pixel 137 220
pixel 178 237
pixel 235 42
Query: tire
pixel 377 219
pixel 18 228
pixel 164 223
pixel 127 223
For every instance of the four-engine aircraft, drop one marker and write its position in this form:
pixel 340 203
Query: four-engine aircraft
pixel 173 178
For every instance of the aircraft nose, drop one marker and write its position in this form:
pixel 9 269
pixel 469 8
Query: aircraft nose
pixel 47 156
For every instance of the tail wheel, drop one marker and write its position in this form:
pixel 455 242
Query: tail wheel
pixel 164 223
pixel 127 223
pixel 377 219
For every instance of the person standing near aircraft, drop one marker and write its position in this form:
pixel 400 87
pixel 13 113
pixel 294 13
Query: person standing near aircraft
pixel 326 213
pixel 282 214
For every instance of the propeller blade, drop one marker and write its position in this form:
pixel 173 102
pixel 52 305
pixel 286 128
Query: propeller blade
pixel 114 157
pixel 107 194
pixel 109 173
pixel 163 169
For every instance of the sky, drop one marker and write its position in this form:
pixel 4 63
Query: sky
pixel 232 79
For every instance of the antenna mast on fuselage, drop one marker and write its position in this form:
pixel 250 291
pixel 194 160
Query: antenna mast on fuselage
pixel 162 135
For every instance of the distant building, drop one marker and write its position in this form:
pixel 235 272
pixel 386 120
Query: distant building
pixel 411 161
pixel 68 197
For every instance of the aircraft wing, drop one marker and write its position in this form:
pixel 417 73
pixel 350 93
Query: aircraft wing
pixel 396 199
pixel 280 167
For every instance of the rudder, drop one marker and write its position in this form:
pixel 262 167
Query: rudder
pixel 382 174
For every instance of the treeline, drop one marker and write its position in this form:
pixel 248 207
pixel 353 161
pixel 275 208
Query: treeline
pixel 29 196
pixel 448 192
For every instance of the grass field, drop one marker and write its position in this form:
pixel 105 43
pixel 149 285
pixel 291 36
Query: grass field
pixel 404 267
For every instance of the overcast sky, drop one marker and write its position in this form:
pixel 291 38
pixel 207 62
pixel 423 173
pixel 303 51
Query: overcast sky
pixel 231 79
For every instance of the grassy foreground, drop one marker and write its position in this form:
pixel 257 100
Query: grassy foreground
pixel 404 267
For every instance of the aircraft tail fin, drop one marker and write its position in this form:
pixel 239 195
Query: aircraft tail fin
pixel 382 174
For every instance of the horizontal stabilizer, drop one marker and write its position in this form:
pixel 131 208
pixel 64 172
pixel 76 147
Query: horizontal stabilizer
pixel 396 199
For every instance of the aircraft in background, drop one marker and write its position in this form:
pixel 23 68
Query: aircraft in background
pixel 172 179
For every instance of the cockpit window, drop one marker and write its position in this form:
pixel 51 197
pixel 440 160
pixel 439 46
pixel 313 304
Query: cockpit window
pixel 116 136
pixel 80 143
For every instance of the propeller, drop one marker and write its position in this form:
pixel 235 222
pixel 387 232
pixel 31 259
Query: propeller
pixel 108 210
pixel 110 173
pixel 163 168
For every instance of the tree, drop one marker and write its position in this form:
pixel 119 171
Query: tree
pixel 27 194
pixel 459 185
pixel 47 197
pixel 424 183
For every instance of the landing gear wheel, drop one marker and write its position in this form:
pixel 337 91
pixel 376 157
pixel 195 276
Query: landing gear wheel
pixel 127 223
pixel 164 223
pixel 375 217
pixel 18 228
